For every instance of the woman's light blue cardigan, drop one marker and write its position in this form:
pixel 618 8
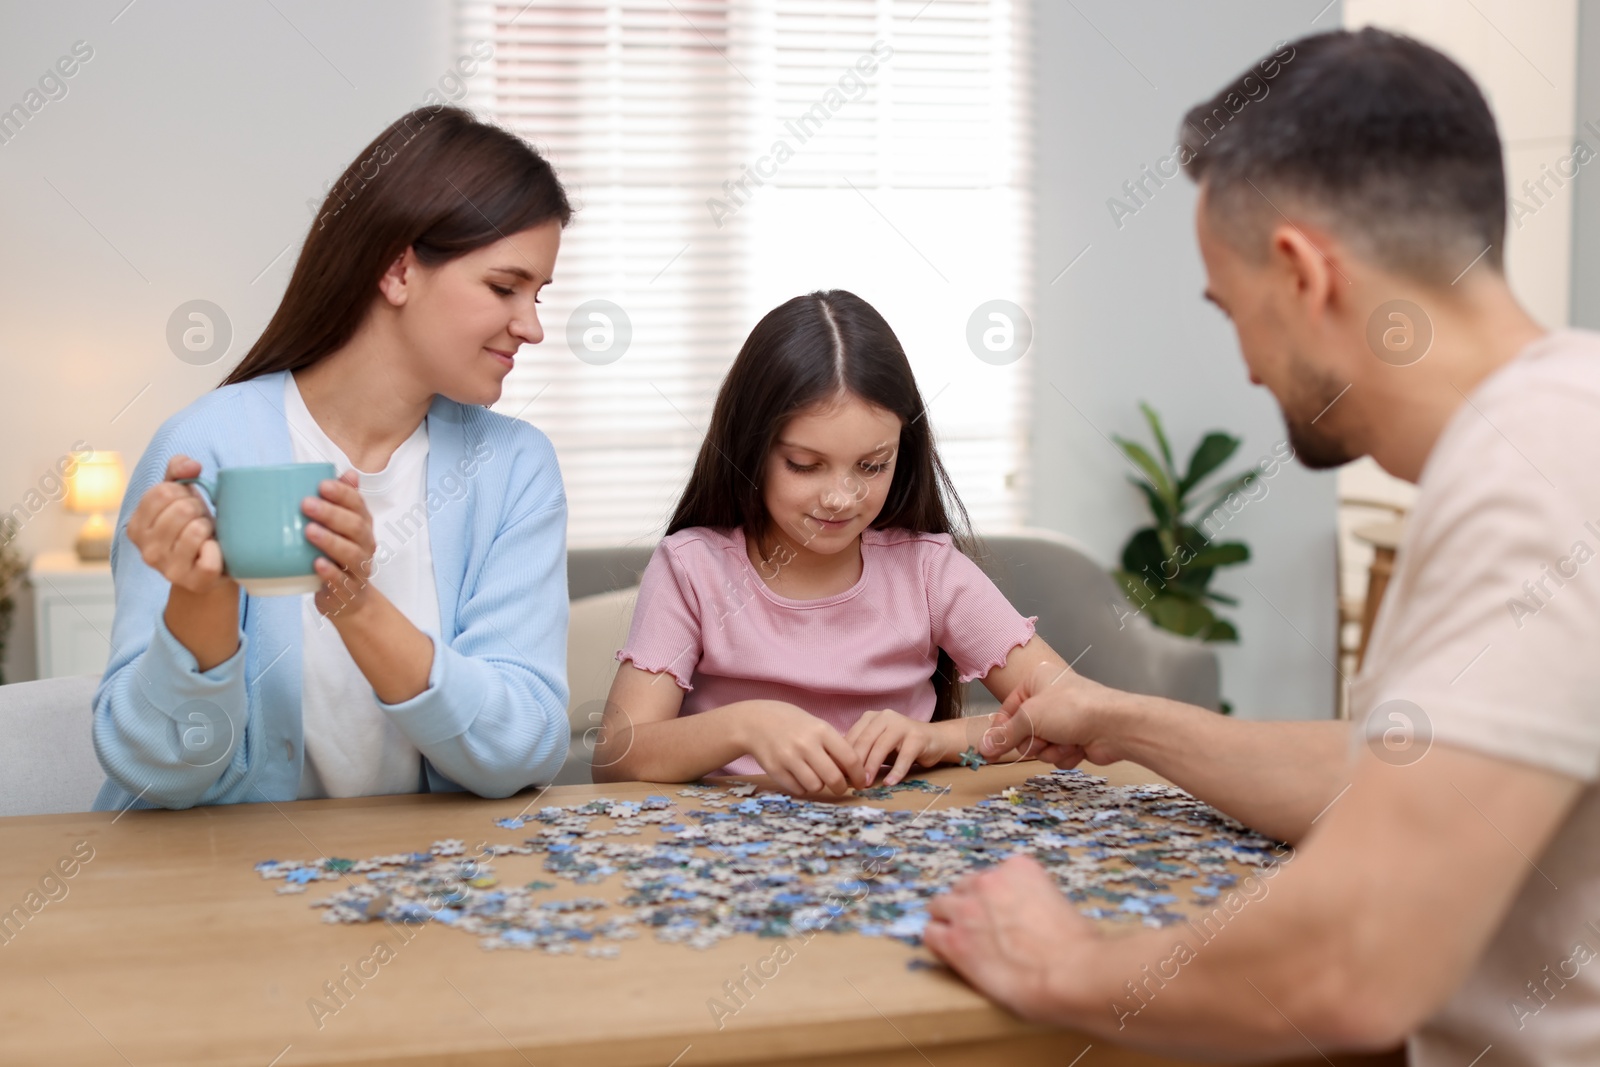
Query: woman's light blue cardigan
pixel 493 718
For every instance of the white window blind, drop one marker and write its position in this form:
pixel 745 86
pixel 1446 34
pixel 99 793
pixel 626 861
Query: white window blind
pixel 902 176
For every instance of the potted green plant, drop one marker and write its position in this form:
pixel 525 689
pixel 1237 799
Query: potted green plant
pixel 11 566
pixel 1168 565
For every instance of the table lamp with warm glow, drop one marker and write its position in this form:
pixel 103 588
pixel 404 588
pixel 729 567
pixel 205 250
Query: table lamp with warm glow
pixel 94 488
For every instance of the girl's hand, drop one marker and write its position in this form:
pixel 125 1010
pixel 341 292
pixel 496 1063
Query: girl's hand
pixel 802 753
pixel 878 733
pixel 342 529
pixel 175 534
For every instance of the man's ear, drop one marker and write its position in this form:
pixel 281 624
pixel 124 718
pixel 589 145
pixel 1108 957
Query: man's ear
pixel 1309 261
pixel 395 284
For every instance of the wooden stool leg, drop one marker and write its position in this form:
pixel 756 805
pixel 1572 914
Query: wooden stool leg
pixel 1377 584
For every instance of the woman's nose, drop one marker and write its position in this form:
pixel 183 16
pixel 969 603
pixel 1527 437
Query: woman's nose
pixel 526 328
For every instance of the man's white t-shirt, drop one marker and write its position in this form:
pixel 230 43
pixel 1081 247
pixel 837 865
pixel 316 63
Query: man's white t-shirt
pixel 352 748
pixel 1491 627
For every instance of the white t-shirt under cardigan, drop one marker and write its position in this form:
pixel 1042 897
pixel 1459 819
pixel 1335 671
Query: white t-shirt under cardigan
pixel 352 749
pixel 493 718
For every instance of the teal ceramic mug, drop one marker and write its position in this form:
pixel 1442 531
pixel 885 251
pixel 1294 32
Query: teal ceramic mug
pixel 261 528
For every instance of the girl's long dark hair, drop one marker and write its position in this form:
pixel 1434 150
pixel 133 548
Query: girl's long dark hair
pixel 438 181
pixel 801 354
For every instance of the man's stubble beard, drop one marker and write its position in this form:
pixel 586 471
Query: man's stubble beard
pixel 1316 445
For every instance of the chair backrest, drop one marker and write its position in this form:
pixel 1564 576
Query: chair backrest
pixel 47 760
pixel 603 570
pixel 1084 615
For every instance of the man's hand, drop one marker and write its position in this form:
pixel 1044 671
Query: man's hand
pixel 1454 842
pixel 1056 715
pixel 1010 932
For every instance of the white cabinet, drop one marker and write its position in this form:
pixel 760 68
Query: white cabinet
pixel 73 607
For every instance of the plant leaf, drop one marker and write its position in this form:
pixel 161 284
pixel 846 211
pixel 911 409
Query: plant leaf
pixel 1154 420
pixel 1223 492
pixel 1142 557
pixel 1222 598
pixel 1182 616
pixel 1158 507
pixel 1223 555
pixel 1152 470
pixel 1133 589
pixel 1212 452
pixel 1222 630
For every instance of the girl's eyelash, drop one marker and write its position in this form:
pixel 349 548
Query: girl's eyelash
pixel 870 468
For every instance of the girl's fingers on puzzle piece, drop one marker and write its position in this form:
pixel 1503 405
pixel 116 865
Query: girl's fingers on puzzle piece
pixel 869 725
pixel 803 775
pixel 829 776
pixel 845 757
pixel 859 729
pixel 909 748
pixel 886 743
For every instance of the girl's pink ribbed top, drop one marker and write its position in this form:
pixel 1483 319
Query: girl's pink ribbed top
pixel 705 616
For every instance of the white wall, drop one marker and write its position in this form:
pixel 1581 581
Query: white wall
pixel 177 166
pixel 1127 322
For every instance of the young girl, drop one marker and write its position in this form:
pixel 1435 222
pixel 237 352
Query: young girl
pixel 433 656
pixel 809 609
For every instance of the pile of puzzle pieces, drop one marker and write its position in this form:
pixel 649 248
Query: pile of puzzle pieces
pixel 769 864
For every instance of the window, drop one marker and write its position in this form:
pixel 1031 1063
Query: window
pixel 726 155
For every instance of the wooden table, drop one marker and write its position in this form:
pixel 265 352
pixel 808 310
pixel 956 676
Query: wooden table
pixel 168 948
pixel 1384 537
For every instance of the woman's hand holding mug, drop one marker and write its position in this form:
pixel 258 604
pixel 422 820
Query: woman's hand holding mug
pixel 341 528
pixel 174 532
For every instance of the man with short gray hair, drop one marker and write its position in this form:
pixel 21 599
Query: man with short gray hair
pixel 1445 879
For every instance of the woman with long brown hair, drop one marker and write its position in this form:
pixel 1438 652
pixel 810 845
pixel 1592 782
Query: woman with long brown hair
pixel 432 655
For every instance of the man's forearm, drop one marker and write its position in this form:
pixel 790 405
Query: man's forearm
pixel 1248 976
pixel 1275 777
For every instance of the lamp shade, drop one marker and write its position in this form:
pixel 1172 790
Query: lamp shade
pixel 96 484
